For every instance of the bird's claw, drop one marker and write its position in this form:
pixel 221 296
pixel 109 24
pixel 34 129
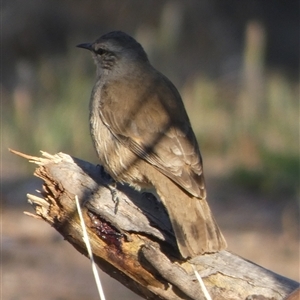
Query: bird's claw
pixel 111 184
pixel 114 194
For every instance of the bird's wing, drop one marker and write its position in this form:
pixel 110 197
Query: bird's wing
pixel 154 125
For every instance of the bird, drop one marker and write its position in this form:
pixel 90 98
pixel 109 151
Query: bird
pixel 143 137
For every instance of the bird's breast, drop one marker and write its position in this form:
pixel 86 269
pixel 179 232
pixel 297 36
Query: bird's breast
pixel 120 162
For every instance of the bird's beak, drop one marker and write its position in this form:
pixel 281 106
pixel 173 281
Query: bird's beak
pixel 87 46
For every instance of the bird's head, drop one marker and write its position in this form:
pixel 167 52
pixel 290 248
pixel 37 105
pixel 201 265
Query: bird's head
pixel 115 50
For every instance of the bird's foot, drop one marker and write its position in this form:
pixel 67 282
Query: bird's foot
pixel 111 184
pixel 114 194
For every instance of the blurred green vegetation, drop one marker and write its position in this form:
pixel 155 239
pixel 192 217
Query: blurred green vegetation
pixel 278 177
pixel 260 150
pixel 53 115
pixel 250 126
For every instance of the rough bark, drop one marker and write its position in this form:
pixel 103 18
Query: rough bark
pixel 132 238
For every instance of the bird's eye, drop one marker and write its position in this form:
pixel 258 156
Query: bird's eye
pixel 100 51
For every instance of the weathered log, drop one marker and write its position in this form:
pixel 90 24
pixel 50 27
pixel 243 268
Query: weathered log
pixel 132 238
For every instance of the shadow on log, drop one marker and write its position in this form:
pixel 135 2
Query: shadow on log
pixel 132 238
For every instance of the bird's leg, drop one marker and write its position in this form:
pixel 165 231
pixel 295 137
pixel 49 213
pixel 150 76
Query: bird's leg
pixel 114 193
pixel 111 184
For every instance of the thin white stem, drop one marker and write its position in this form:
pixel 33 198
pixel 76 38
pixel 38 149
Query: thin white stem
pixel 202 285
pixel 89 249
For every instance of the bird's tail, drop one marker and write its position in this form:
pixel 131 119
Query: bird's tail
pixel 195 228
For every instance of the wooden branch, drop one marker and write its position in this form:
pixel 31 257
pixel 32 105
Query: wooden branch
pixel 132 238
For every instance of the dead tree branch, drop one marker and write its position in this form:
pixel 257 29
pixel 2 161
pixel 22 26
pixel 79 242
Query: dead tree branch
pixel 132 238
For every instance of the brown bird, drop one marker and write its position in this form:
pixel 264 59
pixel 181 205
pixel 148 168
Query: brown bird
pixel 144 138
